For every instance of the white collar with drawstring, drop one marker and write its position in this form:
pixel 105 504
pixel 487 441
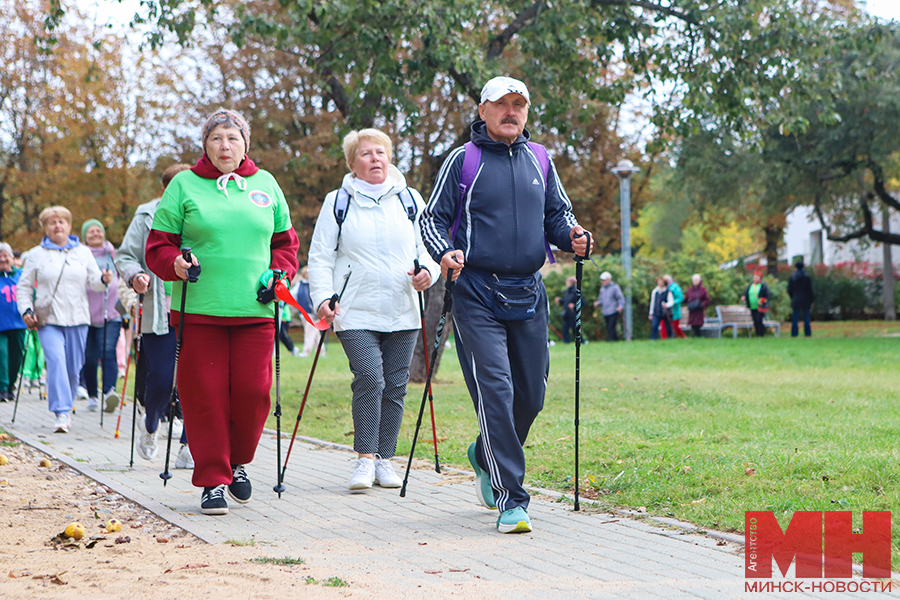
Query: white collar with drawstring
pixel 222 182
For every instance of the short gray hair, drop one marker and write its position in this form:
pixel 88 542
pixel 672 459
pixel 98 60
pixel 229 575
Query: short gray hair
pixel 7 248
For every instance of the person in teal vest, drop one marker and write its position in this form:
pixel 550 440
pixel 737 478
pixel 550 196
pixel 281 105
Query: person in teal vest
pixel 678 297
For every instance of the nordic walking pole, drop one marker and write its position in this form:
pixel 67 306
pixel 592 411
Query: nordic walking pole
pixel 21 376
pixel 136 353
pixel 437 463
pixel 331 304
pixel 103 355
pixel 279 487
pixel 448 303
pixel 134 396
pixel 193 274
pixel 579 301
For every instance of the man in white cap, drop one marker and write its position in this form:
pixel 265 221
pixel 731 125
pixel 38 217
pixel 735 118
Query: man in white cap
pixel 611 302
pixel 496 203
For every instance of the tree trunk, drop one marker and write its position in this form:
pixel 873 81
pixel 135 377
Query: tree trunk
pixel 887 268
pixel 774 234
pixel 434 300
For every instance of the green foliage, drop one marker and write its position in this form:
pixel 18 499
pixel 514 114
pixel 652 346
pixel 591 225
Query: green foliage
pixel 841 294
pixel 734 59
pixel 848 155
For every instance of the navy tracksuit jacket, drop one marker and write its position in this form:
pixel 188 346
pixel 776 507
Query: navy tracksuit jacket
pixel 508 210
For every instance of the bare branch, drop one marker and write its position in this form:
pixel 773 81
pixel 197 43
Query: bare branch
pixel 523 19
pixel 867 230
pixel 880 189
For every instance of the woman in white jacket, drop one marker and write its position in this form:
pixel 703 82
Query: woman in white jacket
pixel 377 319
pixel 60 269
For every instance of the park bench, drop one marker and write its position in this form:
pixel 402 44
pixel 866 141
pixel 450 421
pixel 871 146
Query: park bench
pixel 712 326
pixel 737 316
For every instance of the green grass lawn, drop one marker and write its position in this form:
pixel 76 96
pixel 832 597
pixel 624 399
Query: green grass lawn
pixel 701 430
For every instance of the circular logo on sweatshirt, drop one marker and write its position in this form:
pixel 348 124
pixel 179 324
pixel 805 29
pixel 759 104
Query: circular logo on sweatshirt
pixel 260 198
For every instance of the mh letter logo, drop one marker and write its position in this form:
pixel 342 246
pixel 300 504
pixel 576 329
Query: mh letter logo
pixel 817 540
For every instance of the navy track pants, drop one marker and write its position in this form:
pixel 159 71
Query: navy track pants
pixel 505 364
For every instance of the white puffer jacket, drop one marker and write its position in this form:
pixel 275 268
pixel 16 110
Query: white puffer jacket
pixel 378 244
pixel 70 302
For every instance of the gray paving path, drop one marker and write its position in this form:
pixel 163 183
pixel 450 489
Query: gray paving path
pixel 438 536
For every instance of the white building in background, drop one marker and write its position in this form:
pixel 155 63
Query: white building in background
pixel 804 236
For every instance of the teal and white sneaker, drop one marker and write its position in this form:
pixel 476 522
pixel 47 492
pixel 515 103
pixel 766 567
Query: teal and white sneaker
pixel 483 488
pixel 514 520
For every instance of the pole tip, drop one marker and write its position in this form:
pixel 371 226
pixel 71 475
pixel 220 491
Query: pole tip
pixel 279 489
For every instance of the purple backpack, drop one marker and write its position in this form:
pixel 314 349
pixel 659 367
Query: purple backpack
pixel 471 162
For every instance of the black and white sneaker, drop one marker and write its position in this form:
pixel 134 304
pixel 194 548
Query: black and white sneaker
pixel 240 489
pixel 212 501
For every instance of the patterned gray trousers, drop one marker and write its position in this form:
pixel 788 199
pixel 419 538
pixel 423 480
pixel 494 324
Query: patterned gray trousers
pixel 380 363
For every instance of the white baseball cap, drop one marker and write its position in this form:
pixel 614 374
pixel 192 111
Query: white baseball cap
pixel 498 87
pixel 605 275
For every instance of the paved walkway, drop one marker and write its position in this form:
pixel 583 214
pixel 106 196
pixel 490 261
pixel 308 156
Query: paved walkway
pixel 436 539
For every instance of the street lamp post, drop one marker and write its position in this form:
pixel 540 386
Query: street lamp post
pixel 623 171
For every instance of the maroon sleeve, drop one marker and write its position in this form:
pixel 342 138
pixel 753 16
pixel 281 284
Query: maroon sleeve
pixel 162 250
pixel 284 252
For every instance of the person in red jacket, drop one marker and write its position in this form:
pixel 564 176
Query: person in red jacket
pixel 235 219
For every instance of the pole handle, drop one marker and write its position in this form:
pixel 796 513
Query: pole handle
pixel 193 271
pixel 587 252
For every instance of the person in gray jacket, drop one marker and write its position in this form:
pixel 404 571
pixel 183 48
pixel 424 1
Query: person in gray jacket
pixel 611 302
pixel 158 336
pixel 500 307
pixel 59 271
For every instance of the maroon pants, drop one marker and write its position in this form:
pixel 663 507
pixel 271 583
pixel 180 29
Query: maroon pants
pixel 224 380
pixel 676 329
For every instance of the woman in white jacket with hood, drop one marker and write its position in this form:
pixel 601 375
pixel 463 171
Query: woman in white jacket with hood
pixel 377 320
pixel 55 276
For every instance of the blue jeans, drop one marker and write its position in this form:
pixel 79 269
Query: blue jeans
pixel 92 356
pixel 64 352
pixel 795 322
pixel 654 327
pixel 158 352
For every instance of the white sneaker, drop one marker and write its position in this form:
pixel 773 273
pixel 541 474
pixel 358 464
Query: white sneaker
pixel 385 475
pixel 81 393
pixel 177 428
pixel 295 351
pixel 112 402
pixel 184 460
pixel 146 447
pixel 62 423
pixel 364 475
pixel 93 404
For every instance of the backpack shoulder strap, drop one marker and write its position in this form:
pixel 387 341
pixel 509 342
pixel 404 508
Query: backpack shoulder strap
pixel 544 160
pixel 409 203
pixel 341 205
pixel 471 162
